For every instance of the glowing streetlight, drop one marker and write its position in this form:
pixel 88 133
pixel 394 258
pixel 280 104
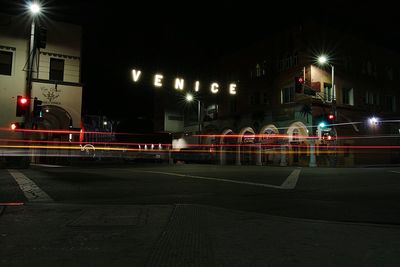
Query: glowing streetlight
pixel 373 121
pixel 322 59
pixel 189 98
pixel 35 8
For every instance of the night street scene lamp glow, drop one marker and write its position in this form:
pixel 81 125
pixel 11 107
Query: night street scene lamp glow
pixel 189 97
pixel 34 8
pixel 373 121
pixel 322 60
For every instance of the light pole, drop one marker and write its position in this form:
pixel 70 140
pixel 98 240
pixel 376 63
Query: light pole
pixel 324 60
pixel 34 9
pixel 189 98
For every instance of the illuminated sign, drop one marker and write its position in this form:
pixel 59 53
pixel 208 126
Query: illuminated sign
pixel 180 84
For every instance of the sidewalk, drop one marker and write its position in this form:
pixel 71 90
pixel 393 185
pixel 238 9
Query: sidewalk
pixel 185 235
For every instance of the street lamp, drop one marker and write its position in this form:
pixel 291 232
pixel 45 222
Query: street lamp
pixel 35 9
pixel 373 123
pixel 322 60
pixel 189 98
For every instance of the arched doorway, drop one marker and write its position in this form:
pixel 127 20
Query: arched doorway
pixel 227 148
pixel 298 143
pixel 246 147
pixel 53 118
pixel 269 145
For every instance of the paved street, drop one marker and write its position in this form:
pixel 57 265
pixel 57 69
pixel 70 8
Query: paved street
pixel 347 194
pixel 232 214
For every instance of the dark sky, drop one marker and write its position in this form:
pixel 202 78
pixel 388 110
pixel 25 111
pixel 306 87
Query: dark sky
pixel 184 37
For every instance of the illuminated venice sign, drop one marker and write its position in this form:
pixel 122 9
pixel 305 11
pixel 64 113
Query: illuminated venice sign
pixel 180 84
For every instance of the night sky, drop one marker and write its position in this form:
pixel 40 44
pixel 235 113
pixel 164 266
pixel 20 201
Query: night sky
pixel 187 37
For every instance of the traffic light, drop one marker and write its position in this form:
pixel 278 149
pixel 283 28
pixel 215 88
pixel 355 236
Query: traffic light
pixel 322 124
pixel 331 118
pixel 37 108
pixel 22 106
pixel 298 84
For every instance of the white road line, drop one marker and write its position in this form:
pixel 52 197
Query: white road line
pixel 47 165
pixel 31 191
pixel 394 171
pixel 286 187
pixel 291 181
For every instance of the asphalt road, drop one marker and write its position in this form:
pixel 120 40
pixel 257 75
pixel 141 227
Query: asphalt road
pixel 368 195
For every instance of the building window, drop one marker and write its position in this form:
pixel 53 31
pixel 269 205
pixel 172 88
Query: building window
pixel 371 98
pixel 376 98
pixel 5 62
pixel 348 96
pixel 258 70
pixel 287 95
pixel 264 68
pixel 328 92
pixel 56 69
pixel 390 103
pixel 287 62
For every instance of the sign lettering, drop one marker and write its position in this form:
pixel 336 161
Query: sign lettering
pixel 179 83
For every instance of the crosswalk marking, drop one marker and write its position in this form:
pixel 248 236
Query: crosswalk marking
pixel 291 180
pixel 289 183
pixel 31 191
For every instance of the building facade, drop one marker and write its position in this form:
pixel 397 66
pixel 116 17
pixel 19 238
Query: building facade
pixel 271 121
pixel 56 73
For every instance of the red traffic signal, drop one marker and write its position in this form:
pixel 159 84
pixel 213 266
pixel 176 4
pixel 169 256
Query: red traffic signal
pixel 23 100
pixel 298 84
pixel 300 80
pixel 331 117
pixel 22 105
